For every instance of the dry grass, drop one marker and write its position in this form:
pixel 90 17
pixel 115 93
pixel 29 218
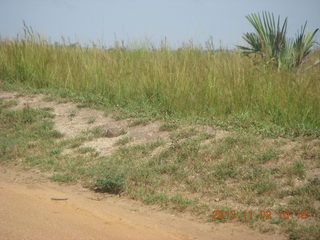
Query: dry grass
pixel 189 81
pixel 191 168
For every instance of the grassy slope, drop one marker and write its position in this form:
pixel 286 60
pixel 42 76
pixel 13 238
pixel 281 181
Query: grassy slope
pixel 253 100
pixel 196 172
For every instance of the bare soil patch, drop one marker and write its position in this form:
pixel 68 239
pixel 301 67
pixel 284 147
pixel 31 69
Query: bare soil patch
pixel 27 212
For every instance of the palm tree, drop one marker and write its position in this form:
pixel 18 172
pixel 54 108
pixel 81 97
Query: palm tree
pixel 302 45
pixel 269 40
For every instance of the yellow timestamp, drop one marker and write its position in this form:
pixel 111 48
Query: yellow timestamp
pixel 261 214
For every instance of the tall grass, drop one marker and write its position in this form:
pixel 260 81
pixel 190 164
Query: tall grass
pixel 186 81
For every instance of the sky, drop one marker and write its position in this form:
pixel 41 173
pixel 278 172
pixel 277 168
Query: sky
pixel 133 21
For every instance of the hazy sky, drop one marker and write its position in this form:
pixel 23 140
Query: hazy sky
pixel 136 20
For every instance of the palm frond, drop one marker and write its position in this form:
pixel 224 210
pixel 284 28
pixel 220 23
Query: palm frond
pixel 302 44
pixel 269 39
pixel 254 42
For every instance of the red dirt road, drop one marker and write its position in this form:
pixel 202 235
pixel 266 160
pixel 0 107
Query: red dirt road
pixel 27 212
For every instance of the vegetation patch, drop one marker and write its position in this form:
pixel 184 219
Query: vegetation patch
pixel 137 122
pixel 62 178
pixel 256 100
pixel 124 140
pixel 168 127
pixel 241 167
pixel 110 183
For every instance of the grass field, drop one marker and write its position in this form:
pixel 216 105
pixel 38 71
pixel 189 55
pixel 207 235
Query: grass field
pixel 268 156
pixel 190 81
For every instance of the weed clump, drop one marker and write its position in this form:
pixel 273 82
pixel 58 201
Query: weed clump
pixel 110 183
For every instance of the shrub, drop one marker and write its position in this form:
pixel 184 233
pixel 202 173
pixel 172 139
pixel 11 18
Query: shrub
pixel 110 183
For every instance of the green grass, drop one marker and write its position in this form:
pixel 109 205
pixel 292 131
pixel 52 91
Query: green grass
pixel 243 168
pixel 184 87
pixel 269 154
pixel 10 103
pixel 189 82
pixel 184 133
pixel 84 150
pixel 110 183
pixel 138 122
pixel 98 132
pixel 62 178
pixel 303 232
pixel 297 169
pixel 24 132
pixel 123 141
pixel 168 127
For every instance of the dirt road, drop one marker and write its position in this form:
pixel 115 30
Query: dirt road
pixel 27 212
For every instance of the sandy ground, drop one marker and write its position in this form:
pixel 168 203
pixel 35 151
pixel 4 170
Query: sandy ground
pixel 85 119
pixel 27 212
